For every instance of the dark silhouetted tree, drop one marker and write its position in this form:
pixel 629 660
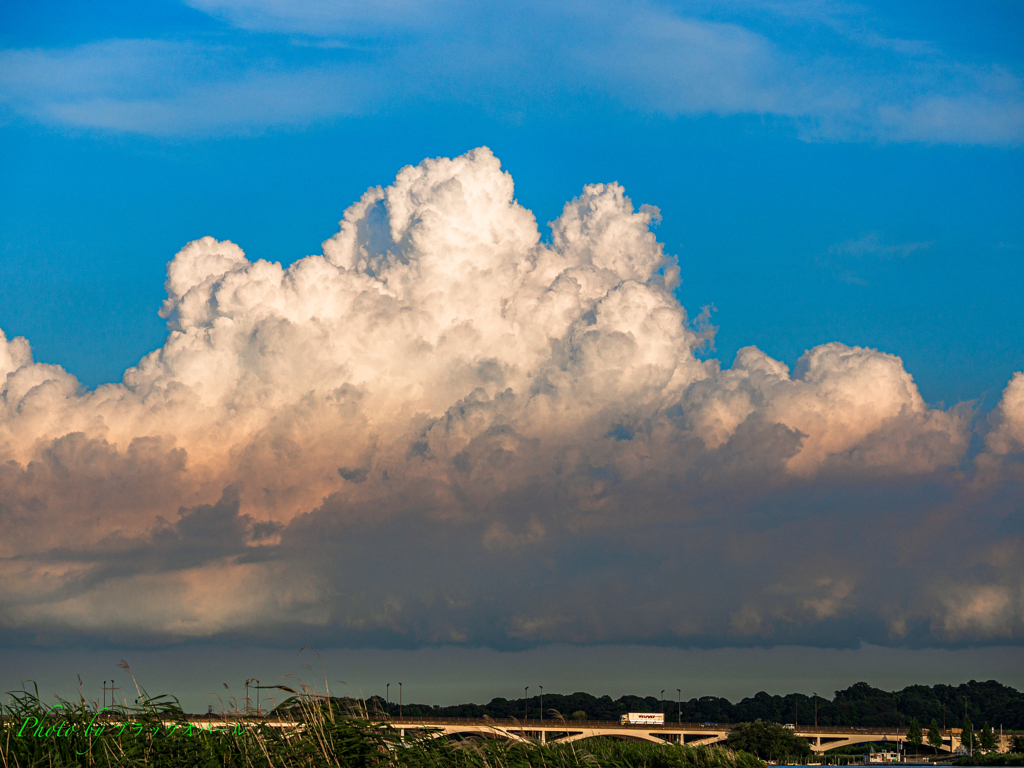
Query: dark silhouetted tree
pixel 769 741
pixel 986 739
pixel 914 735
pixel 934 735
pixel 967 737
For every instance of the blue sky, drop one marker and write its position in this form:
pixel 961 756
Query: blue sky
pixel 824 172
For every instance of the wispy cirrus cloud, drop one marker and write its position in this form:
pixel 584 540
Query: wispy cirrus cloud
pixel 159 87
pixel 326 18
pixel 667 62
pixel 871 244
pixel 295 63
pixel 849 260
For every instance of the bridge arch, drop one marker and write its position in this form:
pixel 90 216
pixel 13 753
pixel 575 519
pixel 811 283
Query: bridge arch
pixel 477 735
pixel 633 736
pixel 561 731
pixel 849 739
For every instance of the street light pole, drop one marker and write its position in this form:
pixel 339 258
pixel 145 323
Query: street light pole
pixel 542 703
pixel 970 736
pixel 663 704
pixel 815 710
pixel 400 700
pixel 387 695
pixel 526 703
pixel 679 692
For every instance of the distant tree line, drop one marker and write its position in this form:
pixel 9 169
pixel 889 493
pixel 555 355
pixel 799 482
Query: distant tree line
pixel 859 705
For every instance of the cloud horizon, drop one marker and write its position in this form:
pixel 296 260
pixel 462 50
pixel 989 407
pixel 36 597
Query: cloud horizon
pixel 447 429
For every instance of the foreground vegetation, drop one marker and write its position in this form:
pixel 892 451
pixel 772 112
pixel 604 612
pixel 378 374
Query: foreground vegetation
pixel 155 732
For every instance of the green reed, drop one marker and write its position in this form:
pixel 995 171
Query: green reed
pixel 319 731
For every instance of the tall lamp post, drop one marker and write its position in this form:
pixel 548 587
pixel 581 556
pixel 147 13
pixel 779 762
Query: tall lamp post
pixel 970 736
pixel 815 710
pixel 526 703
pixel 248 703
pixel 400 700
pixel 663 704
pixel 387 695
pixel 679 693
pixel 542 703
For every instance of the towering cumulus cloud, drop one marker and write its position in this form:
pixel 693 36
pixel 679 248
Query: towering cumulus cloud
pixel 443 429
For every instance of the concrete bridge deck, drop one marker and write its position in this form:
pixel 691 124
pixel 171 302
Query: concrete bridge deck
pixel 820 738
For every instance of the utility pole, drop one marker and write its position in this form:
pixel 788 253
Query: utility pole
pixel 104 694
pixel 970 736
pixel 679 693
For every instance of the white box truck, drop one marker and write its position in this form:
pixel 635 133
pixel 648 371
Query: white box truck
pixel 642 718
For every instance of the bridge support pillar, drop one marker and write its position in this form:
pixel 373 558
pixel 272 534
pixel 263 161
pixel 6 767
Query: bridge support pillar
pixel 543 735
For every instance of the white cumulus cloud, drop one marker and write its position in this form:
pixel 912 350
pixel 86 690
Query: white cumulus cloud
pixel 442 383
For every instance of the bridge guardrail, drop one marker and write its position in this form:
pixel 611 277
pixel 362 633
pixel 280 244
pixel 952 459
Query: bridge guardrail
pixel 532 723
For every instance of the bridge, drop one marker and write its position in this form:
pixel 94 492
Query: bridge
pixel 549 731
